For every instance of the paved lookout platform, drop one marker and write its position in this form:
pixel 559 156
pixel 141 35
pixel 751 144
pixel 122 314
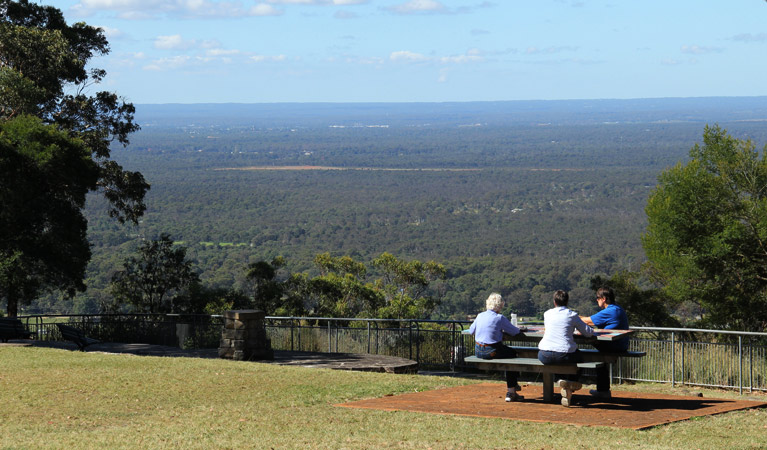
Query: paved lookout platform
pixel 339 361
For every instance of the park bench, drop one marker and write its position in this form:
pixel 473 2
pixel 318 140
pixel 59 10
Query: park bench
pixel 12 328
pixel 77 336
pixel 534 365
pixel 589 355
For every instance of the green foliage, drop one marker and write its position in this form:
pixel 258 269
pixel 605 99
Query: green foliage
pixel 405 287
pixel 706 238
pixel 55 149
pixel 45 178
pixel 267 290
pixel 645 307
pixel 152 280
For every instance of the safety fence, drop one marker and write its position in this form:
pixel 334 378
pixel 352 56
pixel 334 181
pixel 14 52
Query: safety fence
pixel 697 357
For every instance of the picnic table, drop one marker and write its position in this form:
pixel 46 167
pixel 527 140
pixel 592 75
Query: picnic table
pixel 527 360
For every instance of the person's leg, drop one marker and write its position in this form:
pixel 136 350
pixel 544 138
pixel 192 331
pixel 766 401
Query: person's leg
pixel 512 385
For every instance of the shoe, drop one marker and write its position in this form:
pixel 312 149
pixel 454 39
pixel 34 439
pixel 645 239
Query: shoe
pixel 600 394
pixel 570 385
pixel 513 397
pixel 566 401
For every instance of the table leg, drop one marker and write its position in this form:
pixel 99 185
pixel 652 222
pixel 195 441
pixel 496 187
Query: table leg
pixel 548 387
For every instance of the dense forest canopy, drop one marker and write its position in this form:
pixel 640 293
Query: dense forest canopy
pixel 517 197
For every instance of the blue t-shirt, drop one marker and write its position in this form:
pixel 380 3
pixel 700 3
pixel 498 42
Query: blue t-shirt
pixel 613 318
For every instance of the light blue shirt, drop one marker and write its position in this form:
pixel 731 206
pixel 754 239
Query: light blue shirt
pixel 560 323
pixel 489 326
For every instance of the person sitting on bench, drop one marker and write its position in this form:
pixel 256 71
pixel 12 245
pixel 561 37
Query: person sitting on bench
pixel 488 329
pixel 558 345
pixel 611 317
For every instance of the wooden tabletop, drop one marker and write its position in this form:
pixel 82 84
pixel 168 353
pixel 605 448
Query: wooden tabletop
pixel 535 332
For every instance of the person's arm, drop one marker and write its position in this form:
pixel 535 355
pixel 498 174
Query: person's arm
pixel 509 328
pixel 584 328
pixel 587 320
pixel 473 327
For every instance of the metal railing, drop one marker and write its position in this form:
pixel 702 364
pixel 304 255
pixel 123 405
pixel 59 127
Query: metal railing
pixel 696 357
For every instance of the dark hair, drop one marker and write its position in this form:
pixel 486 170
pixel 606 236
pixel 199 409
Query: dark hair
pixel 561 298
pixel 607 294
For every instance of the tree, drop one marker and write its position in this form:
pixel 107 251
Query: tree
pixel 43 241
pixel 55 148
pixel 151 281
pixel 267 290
pixel 706 239
pixel 645 307
pixel 406 286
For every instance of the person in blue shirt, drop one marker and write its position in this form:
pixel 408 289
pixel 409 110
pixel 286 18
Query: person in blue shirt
pixel 611 317
pixel 488 330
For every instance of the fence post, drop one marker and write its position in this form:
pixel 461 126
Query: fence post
pixel 751 364
pixel 410 339
pixel 329 337
pixel 368 337
pixel 682 362
pixel 673 359
pixel 740 364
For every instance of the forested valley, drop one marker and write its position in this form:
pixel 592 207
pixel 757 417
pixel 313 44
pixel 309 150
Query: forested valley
pixel 521 198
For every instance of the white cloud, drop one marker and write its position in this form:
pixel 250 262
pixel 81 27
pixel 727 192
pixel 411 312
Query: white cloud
pixel 407 56
pixel 265 58
pixel 153 9
pixel 549 50
pixel 319 2
pixel 174 42
pixel 222 52
pixel 418 6
pixel 112 33
pixel 473 55
pixel 697 50
pixel 262 9
pixel 171 63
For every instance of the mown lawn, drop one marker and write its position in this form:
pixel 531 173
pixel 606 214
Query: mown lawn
pixel 51 398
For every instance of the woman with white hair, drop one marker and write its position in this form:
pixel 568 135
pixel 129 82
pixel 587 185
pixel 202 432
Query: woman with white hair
pixel 488 329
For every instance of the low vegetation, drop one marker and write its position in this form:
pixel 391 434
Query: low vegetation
pixel 62 399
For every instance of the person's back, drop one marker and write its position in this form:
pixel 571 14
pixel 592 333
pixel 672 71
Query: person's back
pixel 558 345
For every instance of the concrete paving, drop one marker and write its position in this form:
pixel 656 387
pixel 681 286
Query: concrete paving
pixel 338 361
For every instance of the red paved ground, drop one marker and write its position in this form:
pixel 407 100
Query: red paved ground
pixel 635 410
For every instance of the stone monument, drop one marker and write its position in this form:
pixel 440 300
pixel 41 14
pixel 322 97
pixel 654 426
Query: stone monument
pixel 244 336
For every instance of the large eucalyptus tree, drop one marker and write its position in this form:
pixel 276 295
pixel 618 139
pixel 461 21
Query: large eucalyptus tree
pixel 56 136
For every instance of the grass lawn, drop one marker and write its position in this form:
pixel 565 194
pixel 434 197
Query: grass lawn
pixel 51 398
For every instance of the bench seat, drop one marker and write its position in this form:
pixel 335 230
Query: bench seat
pixel 77 336
pixel 534 365
pixel 589 354
pixel 12 328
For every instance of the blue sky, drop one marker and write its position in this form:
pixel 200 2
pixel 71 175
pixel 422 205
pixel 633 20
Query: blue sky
pixel 256 51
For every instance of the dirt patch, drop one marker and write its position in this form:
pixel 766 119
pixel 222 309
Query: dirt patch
pixel 636 410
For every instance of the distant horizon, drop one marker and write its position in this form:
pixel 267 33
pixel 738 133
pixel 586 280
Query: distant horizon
pixel 460 101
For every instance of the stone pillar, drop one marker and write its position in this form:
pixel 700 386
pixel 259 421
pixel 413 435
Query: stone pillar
pixel 244 336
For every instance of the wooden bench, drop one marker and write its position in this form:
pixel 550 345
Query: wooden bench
pixel 12 328
pixel 77 336
pixel 534 365
pixel 589 354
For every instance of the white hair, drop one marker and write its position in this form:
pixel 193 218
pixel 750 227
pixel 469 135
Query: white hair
pixel 494 302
